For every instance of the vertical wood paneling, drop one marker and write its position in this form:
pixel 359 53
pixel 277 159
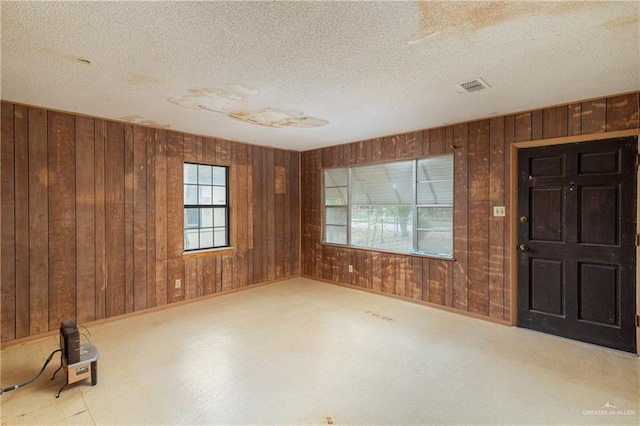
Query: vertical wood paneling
pixel 115 218
pixel 387 264
pixel 594 116
pixel 38 223
pixel 175 215
pixel 161 282
pixel 497 225
pixel 376 150
pixel 296 223
pixel 575 119
pixel 555 122
pixel 478 280
pixel 536 124
pixel 100 131
pixel 376 271
pixel 175 271
pixel 460 217
pixel 8 275
pixel 426 142
pixel 85 219
pixel 62 219
pixel 128 219
pixel 523 127
pixel 151 218
pixel 21 138
pixel 270 213
pixel 388 148
pixel 279 209
pixel 259 231
pixel 437 280
pixel 190 145
pixel 623 112
pixel 437 140
pixel 140 283
pixel 55 164
pixel 401 275
pixel 509 137
pixel 161 216
pixel 191 279
pixel 478 216
pixel 426 279
pixel 416 278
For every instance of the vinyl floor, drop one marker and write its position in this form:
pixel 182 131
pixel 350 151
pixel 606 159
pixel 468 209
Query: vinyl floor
pixel 306 352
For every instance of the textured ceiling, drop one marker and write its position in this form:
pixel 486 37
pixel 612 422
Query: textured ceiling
pixel 301 75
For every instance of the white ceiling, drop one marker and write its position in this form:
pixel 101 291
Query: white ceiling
pixel 323 73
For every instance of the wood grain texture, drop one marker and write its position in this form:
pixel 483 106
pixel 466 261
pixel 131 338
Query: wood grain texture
pixel 175 203
pixel 160 174
pixel 622 112
pixel 437 281
pixel 63 139
pixel 523 127
pixel 270 213
pixel 479 279
pixel 388 266
pixel 593 116
pixel 38 223
pixel 62 218
pixel 151 218
pixel 21 176
pixel 478 216
pixel 460 215
pixel 437 138
pixel 85 219
pixel 537 125
pixel 140 279
pixel 7 230
pixel 115 219
pixel 416 278
pixel 128 219
pixel 555 122
pixel 509 138
pixel 388 148
pixel 497 225
pixel 258 224
pixel 100 132
pixel 574 126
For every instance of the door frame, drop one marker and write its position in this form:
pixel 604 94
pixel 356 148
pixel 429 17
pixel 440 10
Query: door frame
pixel 513 211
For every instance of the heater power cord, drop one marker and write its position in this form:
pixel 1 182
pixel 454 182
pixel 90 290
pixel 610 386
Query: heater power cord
pixel 14 387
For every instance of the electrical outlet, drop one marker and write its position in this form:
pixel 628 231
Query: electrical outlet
pixel 350 268
pixel 178 283
pixel 499 211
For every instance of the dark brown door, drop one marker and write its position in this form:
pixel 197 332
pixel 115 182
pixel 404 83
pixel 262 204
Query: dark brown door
pixel 576 241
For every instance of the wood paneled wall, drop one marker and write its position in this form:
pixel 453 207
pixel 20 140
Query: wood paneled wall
pixel 478 281
pixel 92 218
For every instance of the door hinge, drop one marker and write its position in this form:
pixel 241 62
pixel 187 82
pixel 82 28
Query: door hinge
pixel 638 320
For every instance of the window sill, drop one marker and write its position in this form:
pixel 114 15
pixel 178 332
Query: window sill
pixel 206 253
pixel 428 256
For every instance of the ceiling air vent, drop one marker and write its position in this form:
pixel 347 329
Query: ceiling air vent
pixel 472 86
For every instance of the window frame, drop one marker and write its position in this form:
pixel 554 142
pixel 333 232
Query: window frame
pixel 199 207
pixel 415 207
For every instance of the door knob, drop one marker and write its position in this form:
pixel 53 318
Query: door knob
pixel 524 219
pixel 522 247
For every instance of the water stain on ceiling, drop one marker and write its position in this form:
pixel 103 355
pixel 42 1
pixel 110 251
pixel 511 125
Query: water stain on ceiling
pixel 137 119
pixel 235 103
pixel 464 19
pixel 274 117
